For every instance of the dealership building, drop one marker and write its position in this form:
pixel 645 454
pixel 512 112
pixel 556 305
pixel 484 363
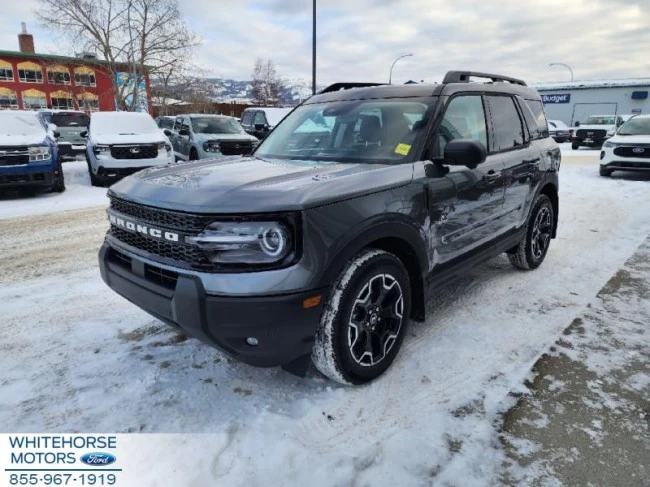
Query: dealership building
pixel 32 81
pixel 574 101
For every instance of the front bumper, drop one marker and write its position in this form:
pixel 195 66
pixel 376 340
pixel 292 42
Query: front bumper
pixel 591 142
pixel 283 328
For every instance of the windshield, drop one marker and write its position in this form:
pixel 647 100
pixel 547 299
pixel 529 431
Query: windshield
pixel 123 123
pixel 370 131
pixel 216 125
pixel 70 119
pixel 635 126
pixel 16 123
pixel 596 120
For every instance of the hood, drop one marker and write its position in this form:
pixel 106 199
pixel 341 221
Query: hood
pixel 206 137
pixel 109 139
pixel 253 185
pixel 595 127
pixel 17 140
pixel 630 139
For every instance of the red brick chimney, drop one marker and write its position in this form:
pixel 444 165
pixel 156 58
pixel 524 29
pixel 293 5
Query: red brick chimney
pixel 25 40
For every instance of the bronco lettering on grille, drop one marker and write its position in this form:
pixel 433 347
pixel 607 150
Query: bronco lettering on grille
pixel 143 229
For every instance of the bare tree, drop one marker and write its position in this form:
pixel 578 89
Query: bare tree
pixel 266 84
pixel 134 37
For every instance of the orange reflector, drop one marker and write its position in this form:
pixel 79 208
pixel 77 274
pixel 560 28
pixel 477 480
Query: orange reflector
pixel 311 302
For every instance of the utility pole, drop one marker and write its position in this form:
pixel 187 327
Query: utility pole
pixel 313 53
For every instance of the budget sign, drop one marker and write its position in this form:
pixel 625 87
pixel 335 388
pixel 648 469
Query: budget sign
pixel 564 98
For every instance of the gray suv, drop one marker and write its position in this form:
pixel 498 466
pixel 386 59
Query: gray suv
pixel 204 136
pixel 324 243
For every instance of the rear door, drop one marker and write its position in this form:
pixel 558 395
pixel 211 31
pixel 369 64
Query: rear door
pixel 511 144
pixel 175 139
pixel 472 216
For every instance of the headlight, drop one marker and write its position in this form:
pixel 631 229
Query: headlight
pixel 609 145
pixel 245 242
pixel 39 153
pixel 211 146
pixel 101 149
pixel 163 146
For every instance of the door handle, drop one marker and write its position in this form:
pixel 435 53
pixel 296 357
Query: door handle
pixel 491 176
pixel 531 161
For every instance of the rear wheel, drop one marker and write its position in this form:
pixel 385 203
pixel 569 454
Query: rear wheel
pixel 365 319
pixel 575 145
pixel 531 251
pixel 605 172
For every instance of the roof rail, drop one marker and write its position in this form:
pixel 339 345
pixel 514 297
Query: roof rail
pixel 464 77
pixel 347 86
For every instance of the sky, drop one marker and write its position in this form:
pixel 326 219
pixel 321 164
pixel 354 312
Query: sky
pixel 358 40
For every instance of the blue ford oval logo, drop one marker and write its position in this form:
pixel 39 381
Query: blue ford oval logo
pixel 98 459
pixel 638 150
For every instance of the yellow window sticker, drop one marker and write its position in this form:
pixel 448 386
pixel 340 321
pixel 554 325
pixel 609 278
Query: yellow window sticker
pixel 402 149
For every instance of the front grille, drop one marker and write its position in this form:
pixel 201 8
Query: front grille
pixel 234 148
pixel 629 152
pixel 119 172
pixel 120 259
pixel 160 276
pixel 595 133
pixel 14 155
pixel 164 218
pixel 191 255
pixel 149 151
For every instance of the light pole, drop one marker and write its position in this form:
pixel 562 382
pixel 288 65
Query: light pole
pixel 566 66
pixel 390 77
pixel 313 53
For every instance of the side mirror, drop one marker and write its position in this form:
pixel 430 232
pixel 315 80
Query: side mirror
pixel 51 127
pixel 56 134
pixel 167 132
pixel 619 122
pixel 464 152
pixel 183 132
pixel 260 127
pixel 84 133
pixel 577 124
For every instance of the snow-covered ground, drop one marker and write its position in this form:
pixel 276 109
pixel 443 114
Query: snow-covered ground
pixel 79 194
pixel 75 356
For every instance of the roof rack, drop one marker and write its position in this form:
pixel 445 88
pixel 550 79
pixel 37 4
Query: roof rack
pixel 464 77
pixel 348 86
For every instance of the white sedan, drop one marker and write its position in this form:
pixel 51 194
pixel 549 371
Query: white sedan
pixel 629 149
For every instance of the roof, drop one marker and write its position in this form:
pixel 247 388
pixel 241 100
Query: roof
pixel 593 84
pixel 422 91
pixel 53 57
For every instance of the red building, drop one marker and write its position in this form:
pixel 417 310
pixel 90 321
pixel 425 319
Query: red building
pixel 31 81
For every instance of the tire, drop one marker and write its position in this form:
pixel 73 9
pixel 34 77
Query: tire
pixel 531 251
pixel 352 344
pixel 194 156
pixel 605 172
pixel 59 183
pixel 575 145
pixel 94 181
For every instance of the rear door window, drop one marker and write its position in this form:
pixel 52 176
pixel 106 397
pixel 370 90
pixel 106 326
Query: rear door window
pixel 507 128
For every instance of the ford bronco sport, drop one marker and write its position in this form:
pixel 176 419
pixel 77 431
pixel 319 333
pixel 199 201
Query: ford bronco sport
pixel 325 242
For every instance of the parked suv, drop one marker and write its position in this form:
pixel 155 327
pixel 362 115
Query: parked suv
pixel 629 149
pixel 329 239
pixel 28 153
pixel 593 131
pixel 203 136
pixel 70 124
pixel 260 121
pixel 122 143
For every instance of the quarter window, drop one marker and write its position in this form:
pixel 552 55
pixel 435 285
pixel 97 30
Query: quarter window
pixel 464 119
pixel 507 127
pixel 540 118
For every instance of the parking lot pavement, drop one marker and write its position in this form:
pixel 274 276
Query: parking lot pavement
pixel 586 420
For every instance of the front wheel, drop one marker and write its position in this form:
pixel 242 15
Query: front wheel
pixel 94 181
pixel 365 319
pixel 575 145
pixel 59 181
pixel 605 172
pixel 532 249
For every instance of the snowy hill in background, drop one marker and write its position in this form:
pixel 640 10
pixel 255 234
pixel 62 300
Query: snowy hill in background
pixel 229 90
